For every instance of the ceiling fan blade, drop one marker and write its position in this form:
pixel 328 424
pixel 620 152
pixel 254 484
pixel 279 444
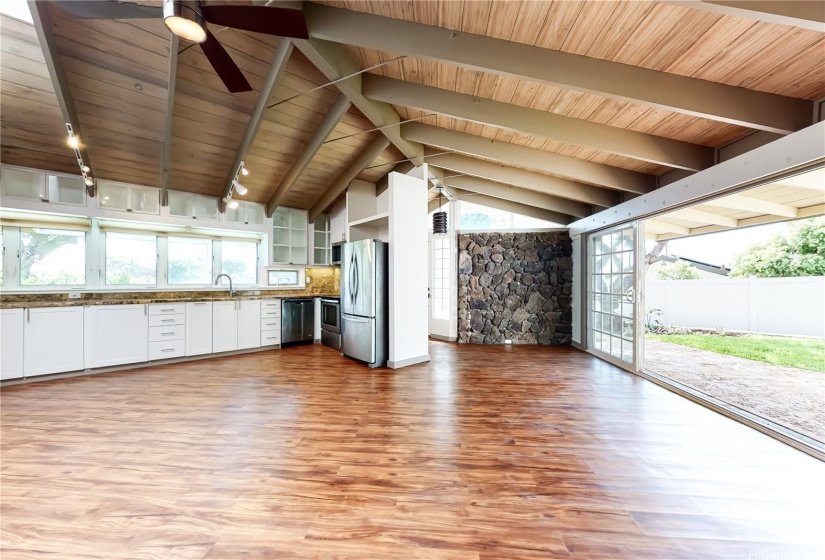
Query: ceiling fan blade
pixel 284 22
pixel 224 66
pixel 91 9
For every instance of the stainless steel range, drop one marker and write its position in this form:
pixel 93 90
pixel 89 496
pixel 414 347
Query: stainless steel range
pixel 331 322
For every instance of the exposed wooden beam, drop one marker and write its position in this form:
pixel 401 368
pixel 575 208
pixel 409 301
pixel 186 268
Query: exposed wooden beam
pixel 807 14
pixel 276 69
pixel 338 186
pixel 672 92
pixel 546 184
pixel 51 55
pixel 506 205
pixel 662 227
pixel 167 125
pixel 335 64
pixel 336 112
pixel 517 194
pixel 805 212
pixel 702 217
pixel 751 204
pixel 531 158
pixel 628 143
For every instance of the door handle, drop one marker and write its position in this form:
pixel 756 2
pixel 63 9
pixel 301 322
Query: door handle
pixel 28 315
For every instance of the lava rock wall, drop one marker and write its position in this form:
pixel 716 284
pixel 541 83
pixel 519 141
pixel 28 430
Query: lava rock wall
pixel 515 286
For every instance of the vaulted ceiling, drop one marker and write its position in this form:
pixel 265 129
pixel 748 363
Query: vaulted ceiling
pixel 582 102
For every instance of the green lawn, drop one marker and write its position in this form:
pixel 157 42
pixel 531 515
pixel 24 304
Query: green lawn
pixel 791 352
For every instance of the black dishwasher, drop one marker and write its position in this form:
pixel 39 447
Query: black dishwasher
pixel 297 321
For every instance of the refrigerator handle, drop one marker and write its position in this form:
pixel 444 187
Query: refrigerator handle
pixel 356 278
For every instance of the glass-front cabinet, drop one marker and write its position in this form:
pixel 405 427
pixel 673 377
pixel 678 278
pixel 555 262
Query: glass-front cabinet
pixel 289 236
pixel 249 213
pixel 112 195
pixel 42 186
pixel 321 245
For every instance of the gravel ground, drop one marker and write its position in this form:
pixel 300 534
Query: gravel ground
pixel 792 397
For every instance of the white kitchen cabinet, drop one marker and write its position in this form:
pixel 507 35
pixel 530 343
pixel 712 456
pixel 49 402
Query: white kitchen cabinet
pixel 53 340
pixel 115 334
pixel 11 343
pixel 198 328
pixel 113 195
pixel 224 326
pixel 289 236
pixel 249 324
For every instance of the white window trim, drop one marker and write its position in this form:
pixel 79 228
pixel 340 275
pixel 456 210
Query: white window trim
pixel 301 277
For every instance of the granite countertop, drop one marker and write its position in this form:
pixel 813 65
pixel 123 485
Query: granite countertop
pixel 17 301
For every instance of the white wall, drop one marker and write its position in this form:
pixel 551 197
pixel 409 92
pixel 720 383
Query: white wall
pixel 792 306
pixel 338 220
pixel 578 268
pixel 409 328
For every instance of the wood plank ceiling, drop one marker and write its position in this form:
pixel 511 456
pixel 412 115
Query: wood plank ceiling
pixel 117 71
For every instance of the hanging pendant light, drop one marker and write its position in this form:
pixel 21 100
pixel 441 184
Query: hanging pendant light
pixel 440 217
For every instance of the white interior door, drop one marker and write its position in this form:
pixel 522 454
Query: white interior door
pixel 612 292
pixel 441 285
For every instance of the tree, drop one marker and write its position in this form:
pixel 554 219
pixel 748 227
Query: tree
pixel 798 252
pixel 680 270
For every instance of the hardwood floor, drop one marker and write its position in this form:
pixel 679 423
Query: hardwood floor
pixel 487 452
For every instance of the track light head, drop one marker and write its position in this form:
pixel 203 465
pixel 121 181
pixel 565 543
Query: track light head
pixel 244 171
pixel 73 141
pixel 185 19
pixel 89 181
pixel 239 188
pixel 85 168
pixel 232 204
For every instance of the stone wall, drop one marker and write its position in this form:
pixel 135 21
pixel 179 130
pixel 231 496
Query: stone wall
pixel 515 286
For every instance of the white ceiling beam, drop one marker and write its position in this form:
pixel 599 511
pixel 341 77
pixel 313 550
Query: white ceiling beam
pixel 531 158
pixel 506 205
pixel 276 70
pixel 751 204
pixel 661 227
pixel 335 64
pixel 672 92
pixel 546 184
pixel 611 139
pixel 45 35
pixel 702 217
pixel 517 194
pixel 372 151
pixel 166 154
pixel 806 14
pixel 796 153
pixel 336 112
pixel 806 212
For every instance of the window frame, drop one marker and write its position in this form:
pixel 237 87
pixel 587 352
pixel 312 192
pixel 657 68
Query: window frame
pixel 459 205
pixel 16 255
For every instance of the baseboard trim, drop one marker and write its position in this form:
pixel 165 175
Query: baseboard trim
pixel 127 367
pixel 408 362
pixel 444 338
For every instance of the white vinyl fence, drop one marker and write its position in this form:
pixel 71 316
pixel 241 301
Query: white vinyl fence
pixel 793 306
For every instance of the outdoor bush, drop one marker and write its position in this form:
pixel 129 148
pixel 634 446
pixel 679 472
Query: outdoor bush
pixel 680 270
pixel 799 252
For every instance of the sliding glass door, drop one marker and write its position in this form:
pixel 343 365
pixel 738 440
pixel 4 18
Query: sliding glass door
pixel 613 296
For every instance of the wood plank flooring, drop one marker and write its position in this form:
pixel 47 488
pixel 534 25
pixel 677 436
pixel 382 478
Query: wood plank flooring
pixel 487 452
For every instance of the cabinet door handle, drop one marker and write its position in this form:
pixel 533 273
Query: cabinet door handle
pixel 28 315
pixel 146 309
pixel 200 303
pixel 167 333
pixel 167 320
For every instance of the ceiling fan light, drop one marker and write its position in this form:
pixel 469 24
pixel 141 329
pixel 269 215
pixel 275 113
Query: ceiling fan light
pixel 185 20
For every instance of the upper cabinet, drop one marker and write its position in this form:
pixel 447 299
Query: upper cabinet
pixel 191 205
pixel 249 213
pixel 289 236
pixel 57 188
pixel 321 240
pixel 112 195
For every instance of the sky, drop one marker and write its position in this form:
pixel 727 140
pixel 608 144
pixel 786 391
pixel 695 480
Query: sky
pixel 17 9
pixel 720 248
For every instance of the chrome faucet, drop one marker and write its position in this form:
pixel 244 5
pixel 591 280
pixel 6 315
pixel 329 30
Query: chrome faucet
pixel 231 290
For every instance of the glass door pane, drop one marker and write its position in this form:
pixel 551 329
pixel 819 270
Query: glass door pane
pixel 612 297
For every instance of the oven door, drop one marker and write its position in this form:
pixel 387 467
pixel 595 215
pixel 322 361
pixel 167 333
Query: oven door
pixel 330 316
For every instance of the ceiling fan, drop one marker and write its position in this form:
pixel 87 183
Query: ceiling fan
pixel 188 18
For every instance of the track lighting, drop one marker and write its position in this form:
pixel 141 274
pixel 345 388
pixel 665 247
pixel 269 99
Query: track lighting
pixel 244 171
pixel 184 19
pixel 73 142
pixel 229 202
pixel 239 188
pixel 85 168
pixel 89 181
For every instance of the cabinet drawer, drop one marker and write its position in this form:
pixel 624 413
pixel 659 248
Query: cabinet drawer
pixel 267 304
pixel 166 308
pixel 270 312
pixel 166 320
pixel 169 349
pixel 268 338
pixel 163 333
pixel 270 323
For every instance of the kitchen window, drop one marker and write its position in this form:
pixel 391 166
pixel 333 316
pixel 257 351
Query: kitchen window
pixel 239 259
pixel 189 260
pixel 52 257
pixel 285 278
pixel 131 259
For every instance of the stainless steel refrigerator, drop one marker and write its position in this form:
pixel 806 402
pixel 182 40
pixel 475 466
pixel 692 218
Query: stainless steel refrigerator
pixel 364 301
